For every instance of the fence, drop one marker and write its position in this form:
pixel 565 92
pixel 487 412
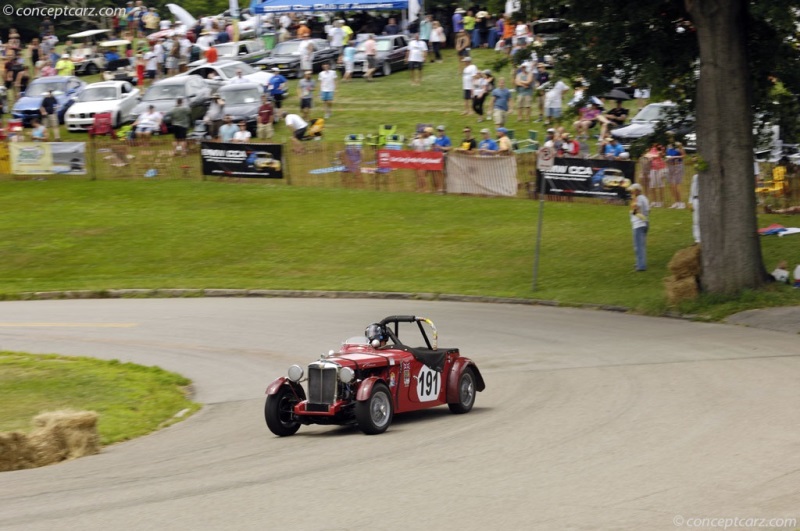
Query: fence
pixel 328 164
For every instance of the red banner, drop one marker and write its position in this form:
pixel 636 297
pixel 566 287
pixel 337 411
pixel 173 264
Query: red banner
pixel 416 160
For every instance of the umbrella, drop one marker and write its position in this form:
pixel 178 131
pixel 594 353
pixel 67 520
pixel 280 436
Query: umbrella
pixel 616 94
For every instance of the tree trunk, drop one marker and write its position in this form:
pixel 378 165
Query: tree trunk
pixel 731 250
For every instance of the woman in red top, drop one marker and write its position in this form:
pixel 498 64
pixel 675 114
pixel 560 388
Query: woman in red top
pixel 140 70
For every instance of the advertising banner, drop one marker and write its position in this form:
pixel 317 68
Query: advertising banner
pixel 255 161
pixel 47 158
pixel 589 177
pixel 415 160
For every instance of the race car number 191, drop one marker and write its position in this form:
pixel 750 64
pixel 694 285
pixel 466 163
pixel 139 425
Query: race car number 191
pixel 428 384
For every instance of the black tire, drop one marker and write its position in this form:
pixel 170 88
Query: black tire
pixel 91 69
pixel 375 414
pixel 278 412
pixel 387 68
pixel 466 392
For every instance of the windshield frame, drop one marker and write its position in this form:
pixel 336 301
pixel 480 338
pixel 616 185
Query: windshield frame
pixel 232 96
pixel 148 95
pixel 294 46
pixel 58 88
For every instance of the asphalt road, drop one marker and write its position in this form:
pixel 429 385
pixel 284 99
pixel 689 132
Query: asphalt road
pixel 590 420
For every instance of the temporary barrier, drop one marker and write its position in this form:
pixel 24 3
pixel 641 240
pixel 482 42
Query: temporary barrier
pixel 469 173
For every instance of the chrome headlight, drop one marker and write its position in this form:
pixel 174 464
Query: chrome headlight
pixel 295 373
pixel 346 374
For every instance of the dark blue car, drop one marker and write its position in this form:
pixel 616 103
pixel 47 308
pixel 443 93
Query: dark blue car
pixel 65 89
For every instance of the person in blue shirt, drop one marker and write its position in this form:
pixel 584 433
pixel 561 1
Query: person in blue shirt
pixel 111 55
pixel 227 130
pixel 442 141
pixel 612 149
pixel 501 97
pixel 277 88
pixel 487 146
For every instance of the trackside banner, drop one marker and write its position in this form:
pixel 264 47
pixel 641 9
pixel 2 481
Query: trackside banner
pixel 255 161
pixel 47 158
pixel 588 177
pixel 415 160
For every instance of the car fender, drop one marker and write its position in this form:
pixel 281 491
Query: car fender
pixel 365 389
pixel 276 385
pixel 455 373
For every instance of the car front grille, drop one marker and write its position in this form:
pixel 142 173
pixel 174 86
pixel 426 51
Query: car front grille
pixel 321 383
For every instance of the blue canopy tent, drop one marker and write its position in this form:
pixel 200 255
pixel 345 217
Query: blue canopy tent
pixel 284 6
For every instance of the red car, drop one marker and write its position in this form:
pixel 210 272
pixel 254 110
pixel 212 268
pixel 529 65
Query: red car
pixel 371 378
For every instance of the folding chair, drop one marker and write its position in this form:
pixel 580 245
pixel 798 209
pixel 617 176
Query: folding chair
pixel 379 140
pixel 777 186
pixel 395 142
pixel 103 125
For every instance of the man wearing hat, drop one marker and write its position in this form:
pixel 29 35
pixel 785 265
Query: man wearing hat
pixel 65 66
pixel 640 222
pixel 214 115
pixel 442 141
pixel 501 98
pixel 303 31
pixel 504 146
pixel 487 146
pixel 468 143
pixel 458 21
pixel 541 81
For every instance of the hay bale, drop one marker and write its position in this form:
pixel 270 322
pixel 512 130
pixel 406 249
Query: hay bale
pixel 60 435
pixel 686 263
pixel 680 289
pixel 15 452
pixel 56 436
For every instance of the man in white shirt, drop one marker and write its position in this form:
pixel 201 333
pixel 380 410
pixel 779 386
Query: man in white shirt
pixel 552 102
pixel 161 57
pixel 298 127
pixel 242 136
pixel 336 36
pixel 415 57
pixel 306 50
pixel 327 87
pixel 151 65
pixel 467 76
pixel 238 79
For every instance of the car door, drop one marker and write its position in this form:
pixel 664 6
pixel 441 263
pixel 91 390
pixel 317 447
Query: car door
pixel 398 53
pixel 425 386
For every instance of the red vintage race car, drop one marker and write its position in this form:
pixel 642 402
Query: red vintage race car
pixel 371 378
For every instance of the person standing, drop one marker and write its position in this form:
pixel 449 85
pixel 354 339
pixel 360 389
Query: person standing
pixel 181 118
pixel 524 86
pixel 425 29
pixel 370 49
pixel 65 66
pixel 458 21
pixel 349 60
pixel 327 88
pixel 266 115
pixel 640 222
pixel 478 94
pixel 462 47
pixel 415 57
pixel 214 115
pixel 467 75
pixel 675 155
pixel 305 91
pixel 49 112
pixel 501 97
pixel 553 102
pixel 306 51
pixel 541 81
pixel 277 87
pixel 437 39
pixel 468 143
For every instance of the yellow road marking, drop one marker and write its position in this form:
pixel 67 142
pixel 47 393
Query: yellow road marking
pixel 67 325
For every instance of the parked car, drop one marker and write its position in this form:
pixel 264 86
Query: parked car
pixel 644 123
pixel 162 94
pixel 244 51
pixel 115 97
pixel 220 72
pixel 390 55
pixel 65 89
pixel 242 101
pixel 549 28
pixel 286 57
pixel 373 377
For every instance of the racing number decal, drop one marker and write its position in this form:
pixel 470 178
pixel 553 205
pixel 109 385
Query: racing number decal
pixel 428 384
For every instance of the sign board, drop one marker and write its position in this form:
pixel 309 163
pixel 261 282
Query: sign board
pixel 416 160
pixel 260 161
pixel 598 178
pixel 546 158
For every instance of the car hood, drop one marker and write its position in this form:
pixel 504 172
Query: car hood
pixel 362 357
pixel 29 103
pixel 634 130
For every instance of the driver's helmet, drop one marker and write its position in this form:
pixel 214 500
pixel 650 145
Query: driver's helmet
pixel 376 331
